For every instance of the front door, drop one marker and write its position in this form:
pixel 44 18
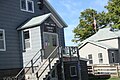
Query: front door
pixel 50 43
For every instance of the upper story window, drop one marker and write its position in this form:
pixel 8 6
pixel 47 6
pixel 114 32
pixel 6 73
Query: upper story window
pixel 27 5
pixel 27 42
pixel 2 40
pixel 100 57
pixel 90 59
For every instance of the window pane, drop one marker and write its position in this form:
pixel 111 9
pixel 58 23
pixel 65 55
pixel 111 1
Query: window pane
pixel 27 43
pixel 54 40
pixel 30 6
pixel 26 35
pixel 73 71
pixel 26 39
pixel 23 4
pixel 100 60
pixel 90 61
pixel 1 44
pixel 112 54
pixel 90 56
pixel 100 55
pixel 1 34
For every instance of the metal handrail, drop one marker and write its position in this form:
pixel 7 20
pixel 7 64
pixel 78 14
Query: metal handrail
pixel 48 57
pixel 46 61
pixel 28 64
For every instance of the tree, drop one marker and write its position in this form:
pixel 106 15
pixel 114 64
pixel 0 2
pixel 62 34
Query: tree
pixel 113 8
pixel 85 27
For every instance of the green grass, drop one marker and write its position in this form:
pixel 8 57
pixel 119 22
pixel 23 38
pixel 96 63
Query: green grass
pixel 114 79
pixel 107 79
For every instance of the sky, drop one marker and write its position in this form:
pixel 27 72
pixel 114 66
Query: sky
pixel 69 11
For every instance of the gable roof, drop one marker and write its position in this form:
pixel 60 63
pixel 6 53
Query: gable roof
pixel 53 11
pixel 101 45
pixel 103 34
pixel 38 20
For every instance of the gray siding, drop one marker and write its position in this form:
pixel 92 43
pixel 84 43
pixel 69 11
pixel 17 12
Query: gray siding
pixel 60 32
pixel 84 71
pixel 11 17
pixel 115 51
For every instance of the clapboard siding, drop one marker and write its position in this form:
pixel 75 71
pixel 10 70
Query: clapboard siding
pixel 11 17
pixel 35 44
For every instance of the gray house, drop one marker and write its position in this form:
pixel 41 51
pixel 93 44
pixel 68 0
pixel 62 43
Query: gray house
pixel 31 41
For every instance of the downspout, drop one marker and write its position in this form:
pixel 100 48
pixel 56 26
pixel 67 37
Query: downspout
pixel 119 49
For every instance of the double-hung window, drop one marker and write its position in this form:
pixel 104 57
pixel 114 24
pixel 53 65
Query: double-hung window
pixel 90 59
pixel 2 40
pixel 100 57
pixel 27 42
pixel 27 5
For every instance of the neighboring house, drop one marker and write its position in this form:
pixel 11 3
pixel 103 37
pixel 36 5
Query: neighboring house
pixel 30 33
pixel 102 48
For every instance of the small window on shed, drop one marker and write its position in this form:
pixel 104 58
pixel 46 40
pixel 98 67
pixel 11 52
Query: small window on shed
pixel 73 71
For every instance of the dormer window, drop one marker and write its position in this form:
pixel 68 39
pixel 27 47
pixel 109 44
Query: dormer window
pixel 27 5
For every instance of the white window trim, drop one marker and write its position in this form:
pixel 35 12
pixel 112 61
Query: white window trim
pixel 71 72
pixel 100 58
pixel 90 59
pixel 26 1
pixel 23 41
pixel 3 40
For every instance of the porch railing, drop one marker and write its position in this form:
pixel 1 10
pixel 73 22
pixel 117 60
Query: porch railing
pixel 30 65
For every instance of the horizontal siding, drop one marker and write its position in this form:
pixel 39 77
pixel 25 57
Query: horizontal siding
pixel 11 17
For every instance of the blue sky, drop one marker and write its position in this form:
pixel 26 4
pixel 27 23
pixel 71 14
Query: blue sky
pixel 70 10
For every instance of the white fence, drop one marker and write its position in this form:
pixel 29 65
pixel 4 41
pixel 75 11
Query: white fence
pixel 104 69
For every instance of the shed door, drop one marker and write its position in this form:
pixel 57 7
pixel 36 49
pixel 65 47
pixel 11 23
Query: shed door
pixel 50 43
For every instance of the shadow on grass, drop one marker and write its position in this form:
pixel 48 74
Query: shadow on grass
pixel 99 77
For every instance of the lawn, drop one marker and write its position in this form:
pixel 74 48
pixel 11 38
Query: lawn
pixel 108 79
pixel 114 79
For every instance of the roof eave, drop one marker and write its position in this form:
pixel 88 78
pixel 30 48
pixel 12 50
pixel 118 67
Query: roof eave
pixel 53 11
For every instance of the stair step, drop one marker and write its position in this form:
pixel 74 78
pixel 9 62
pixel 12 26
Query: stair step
pixel 32 76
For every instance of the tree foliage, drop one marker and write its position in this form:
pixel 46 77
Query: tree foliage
pixel 113 8
pixel 85 27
